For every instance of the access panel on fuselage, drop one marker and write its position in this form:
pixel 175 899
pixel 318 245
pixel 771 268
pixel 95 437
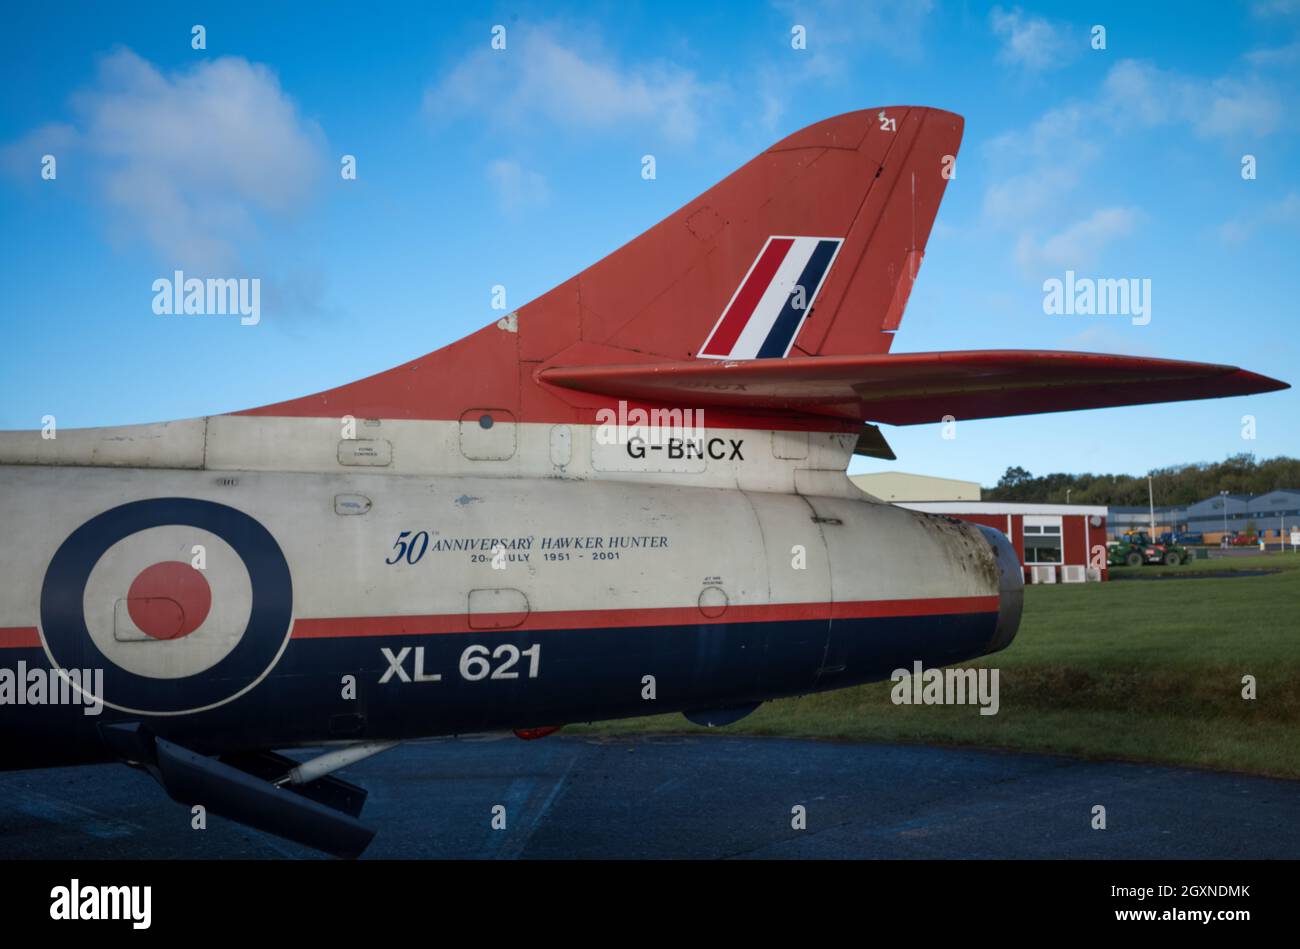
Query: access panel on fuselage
pixel 906 587
pixel 799 576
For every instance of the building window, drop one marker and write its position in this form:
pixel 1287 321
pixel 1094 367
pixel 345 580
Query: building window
pixel 1043 540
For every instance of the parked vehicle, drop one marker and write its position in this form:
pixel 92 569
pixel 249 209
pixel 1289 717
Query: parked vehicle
pixel 1129 550
pixel 1136 548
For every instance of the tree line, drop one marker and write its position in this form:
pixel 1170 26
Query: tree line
pixel 1180 484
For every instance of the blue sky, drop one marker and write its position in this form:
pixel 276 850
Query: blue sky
pixel 478 168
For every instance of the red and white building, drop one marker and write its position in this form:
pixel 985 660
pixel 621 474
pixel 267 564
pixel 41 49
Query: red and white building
pixel 1056 543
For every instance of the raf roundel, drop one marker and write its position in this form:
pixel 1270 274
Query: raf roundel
pixel 122 595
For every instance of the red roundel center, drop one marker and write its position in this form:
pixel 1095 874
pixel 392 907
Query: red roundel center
pixel 169 600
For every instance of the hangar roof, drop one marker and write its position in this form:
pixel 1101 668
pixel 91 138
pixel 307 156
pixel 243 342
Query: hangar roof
pixel 1001 507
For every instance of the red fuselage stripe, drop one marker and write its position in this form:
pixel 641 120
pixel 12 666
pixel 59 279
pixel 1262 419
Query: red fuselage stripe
pixel 334 627
pixel 345 626
pixel 19 637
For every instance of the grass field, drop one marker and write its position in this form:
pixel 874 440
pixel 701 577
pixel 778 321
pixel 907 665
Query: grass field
pixel 1145 670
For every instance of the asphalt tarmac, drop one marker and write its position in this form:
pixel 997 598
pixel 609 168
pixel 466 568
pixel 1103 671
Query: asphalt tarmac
pixel 695 797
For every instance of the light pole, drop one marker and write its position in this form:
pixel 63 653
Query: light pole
pixel 1151 500
pixel 1223 542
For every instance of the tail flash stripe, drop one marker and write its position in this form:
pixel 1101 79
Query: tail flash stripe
pixel 751 291
pixel 791 317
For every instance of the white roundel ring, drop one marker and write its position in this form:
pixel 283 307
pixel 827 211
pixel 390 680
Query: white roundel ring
pixel 184 604
pixel 177 628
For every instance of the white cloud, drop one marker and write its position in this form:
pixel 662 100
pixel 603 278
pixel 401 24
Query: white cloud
pixel 1283 212
pixel 1018 199
pixel 1264 8
pixel 539 74
pixel 1078 246
pixel 839 31
pixel 1236 108
pixel 1275 56
pixel 517 188
pixel 190 160
pixel 1137 93
pixel 1038 170
pixel 1058 132
pixel 22 158
pixel 774 106
pixel 1043 163
pixel 1028 41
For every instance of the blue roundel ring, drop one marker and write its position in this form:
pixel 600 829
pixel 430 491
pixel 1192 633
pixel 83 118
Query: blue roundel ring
pixel 63 620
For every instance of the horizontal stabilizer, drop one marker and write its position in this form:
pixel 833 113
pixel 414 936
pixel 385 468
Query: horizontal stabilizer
pixel 916 388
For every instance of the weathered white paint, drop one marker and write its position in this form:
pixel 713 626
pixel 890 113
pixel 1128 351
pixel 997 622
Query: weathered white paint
pixel 737 540
pixel 439 448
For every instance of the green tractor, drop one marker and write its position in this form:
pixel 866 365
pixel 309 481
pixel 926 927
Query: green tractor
pixel 1136 548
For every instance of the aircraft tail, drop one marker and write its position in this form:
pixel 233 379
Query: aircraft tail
pixel 810 249
pixel 772 298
